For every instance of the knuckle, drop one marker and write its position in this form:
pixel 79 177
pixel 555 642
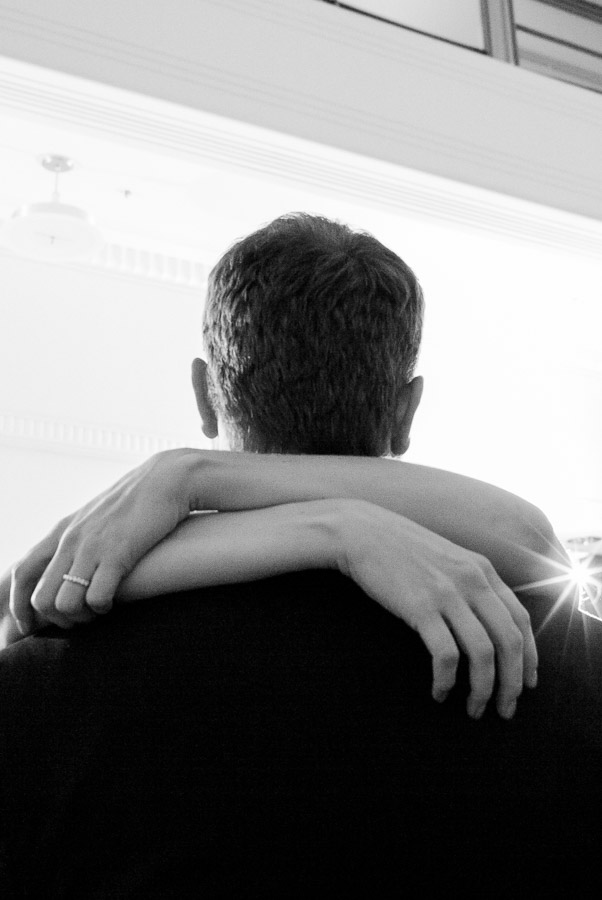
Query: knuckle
pixel 486 567
pixel 485 655
pixel 516 643
pixel 16 606
pixel 523 618
pixel 447 599
pixel 511 643
pixel 120 567
pixel 90 546
pixel 18 572
pixel 60 527
pixel 482 562
pixel 69 539
pixel 41 603
pixel 483 571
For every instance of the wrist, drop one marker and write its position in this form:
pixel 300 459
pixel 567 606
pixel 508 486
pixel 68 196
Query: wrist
pixel 230 481
pixel 185 469
pixel 335 522
pixel 348 524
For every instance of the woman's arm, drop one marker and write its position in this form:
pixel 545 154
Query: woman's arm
pixel 104 540
pixel 451 596
pixel 227 548
pixel 513 534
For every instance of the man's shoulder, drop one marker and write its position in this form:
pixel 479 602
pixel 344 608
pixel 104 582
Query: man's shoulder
pixel 256 617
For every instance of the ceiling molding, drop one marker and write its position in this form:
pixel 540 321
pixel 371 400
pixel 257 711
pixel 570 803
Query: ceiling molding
pixel 117 115
pixel 342 26
pixel 489 124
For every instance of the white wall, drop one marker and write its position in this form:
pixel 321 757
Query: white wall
pixel 514 375
pixel 40 485
pixel 94 376
pixel 86 344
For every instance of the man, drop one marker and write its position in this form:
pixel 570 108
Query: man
pixel 275 739
pixel 326 367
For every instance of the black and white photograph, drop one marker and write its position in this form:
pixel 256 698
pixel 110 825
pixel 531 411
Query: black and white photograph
pixel 300 449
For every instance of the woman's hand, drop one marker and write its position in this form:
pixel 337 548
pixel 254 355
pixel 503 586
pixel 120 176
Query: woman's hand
pixel 451 596
pixel 100 543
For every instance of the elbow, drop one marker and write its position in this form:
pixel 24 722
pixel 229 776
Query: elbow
pixel 539 536
pixel 530 552
pixel 541 555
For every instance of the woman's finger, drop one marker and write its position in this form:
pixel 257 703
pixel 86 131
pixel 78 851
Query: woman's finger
pixel 71 601
pixel 476 643
pixel 522 621
pixel 508 642
pixel 444 651
pixel 72 587
pixel 25 576
pixel 21 588
pixel 43 598
pixel 100 596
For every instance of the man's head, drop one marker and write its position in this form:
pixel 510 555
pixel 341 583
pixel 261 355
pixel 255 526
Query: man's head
pixel 311 332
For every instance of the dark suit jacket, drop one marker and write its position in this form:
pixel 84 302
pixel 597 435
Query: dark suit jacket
pixel 278 739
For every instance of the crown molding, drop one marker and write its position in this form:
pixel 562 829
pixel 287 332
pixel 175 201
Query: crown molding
pixel 201 137
pixel 45 433
pixel 489 124
pixel 36 21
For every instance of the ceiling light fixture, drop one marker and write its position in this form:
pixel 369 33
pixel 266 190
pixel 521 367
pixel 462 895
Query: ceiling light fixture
pixel 53 231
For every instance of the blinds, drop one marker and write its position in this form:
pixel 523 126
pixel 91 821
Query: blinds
pixel 558 38
pixel 563 41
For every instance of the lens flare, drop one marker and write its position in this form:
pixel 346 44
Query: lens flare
pixel 580 579
pixel 586 576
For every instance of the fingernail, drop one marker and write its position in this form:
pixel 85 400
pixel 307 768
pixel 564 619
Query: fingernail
pixel 508 711
pixel 476 711
pixel 440 696
pixel 532 680
pixel 102 610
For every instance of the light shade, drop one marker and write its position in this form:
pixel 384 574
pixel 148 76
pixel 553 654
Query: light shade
pixel 53 231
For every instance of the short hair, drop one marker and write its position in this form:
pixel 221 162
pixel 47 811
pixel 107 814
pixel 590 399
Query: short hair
pixel 310 329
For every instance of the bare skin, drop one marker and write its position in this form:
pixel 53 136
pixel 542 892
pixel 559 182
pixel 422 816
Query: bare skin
pixel 412 542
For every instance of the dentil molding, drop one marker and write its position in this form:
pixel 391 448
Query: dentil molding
pixel 134 262
pixel 65 436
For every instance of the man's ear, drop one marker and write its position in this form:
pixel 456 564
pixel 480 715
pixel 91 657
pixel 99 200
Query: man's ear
pixel 410 400
pixel 201 392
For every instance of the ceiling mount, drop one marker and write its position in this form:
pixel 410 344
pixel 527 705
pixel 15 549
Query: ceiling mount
pixel 58 164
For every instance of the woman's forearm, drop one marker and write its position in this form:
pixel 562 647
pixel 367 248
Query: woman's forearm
pixel 513 534
pixel 225 548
